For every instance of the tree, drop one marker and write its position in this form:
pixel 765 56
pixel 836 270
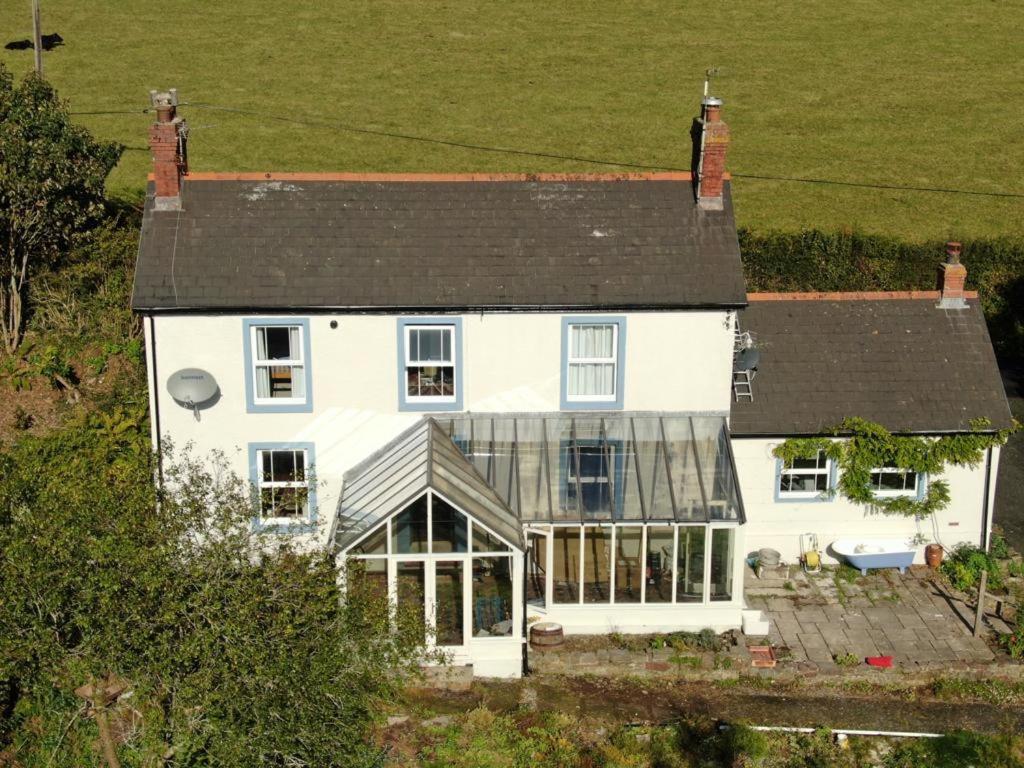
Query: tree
pixel 236 646
pixel 52 176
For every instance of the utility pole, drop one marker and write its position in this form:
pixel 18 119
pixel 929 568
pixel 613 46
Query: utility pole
pixel 37 37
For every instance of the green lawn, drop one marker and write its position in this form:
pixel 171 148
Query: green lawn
pixel 922 93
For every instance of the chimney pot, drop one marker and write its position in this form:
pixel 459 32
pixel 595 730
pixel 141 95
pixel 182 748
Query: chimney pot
pixel 952 252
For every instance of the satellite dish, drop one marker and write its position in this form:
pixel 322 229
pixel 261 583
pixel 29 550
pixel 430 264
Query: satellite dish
pixel 192 387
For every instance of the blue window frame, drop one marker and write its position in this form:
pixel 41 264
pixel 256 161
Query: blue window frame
pixel 284 482
pixel 592 475
pixel 278 365
pixel 593 363
pixel 805 480
pixel 430 364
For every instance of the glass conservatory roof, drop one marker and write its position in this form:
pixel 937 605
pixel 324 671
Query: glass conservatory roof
pixel 511 469
pixel 423 457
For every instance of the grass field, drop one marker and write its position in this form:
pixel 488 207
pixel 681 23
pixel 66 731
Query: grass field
pixel 922 93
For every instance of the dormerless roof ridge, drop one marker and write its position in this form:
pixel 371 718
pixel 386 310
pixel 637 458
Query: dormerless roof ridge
pixel 851 295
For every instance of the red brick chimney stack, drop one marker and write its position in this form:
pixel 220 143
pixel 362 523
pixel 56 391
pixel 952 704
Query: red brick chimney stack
pixel 167 141
pixel 714 143
pixel 952 276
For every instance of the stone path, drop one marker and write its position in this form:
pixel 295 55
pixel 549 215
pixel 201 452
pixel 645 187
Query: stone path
pixel 824 616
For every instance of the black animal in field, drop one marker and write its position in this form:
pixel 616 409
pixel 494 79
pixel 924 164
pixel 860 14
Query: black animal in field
pixel 49 43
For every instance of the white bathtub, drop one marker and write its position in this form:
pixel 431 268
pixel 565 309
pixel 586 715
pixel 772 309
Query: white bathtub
pixel 875 553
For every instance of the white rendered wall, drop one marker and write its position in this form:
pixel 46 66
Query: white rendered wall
pixel 674 361
pixel 778 524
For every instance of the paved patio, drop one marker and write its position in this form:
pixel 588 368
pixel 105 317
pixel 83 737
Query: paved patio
pixel 822 616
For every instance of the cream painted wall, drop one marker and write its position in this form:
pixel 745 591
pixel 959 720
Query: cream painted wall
pixel 674 361
pixel 778 525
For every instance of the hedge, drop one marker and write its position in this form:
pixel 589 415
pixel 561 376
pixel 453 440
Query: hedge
pixel 813 260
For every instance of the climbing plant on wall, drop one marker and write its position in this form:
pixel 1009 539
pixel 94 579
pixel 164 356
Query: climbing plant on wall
pixel 863 446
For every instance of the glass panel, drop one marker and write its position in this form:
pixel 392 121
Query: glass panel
pixel 409 529
pixel 374 544
pixel 536 571
pixel 288 502
pixel 284 466
pixel 628 567
pixel 683 468
pixel 449 624
pixel 559 439
pixel 891 481
pixel 533 474
pixel 659 565
pixel 492 597
pixel 502 470
pixel 690 564
pixel 566 565
pixel 411 594
pixel 592 379
pixel 716 469
pixel 483 541
pixel 597 564
pixel 278 343
pixel 721 563
pixel 594 486
pixel 650 458
pixel 367 579
pixel 450 528
pixel 627 491
pixel 280 380
pixel 267 465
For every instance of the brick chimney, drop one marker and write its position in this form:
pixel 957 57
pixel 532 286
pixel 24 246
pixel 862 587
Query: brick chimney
pixel 952 276
pixel 168 143
pixel 714 141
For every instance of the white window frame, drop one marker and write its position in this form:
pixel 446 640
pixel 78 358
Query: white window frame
pixel 815 494
pixel 613 360
pixel 890 494
pixel 450 363
pixel 295 362
pixel 262 484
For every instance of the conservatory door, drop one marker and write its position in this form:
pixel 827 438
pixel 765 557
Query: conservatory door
pixel 438 588
pixel 446 603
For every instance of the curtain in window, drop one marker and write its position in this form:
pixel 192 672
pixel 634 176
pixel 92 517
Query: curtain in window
pixel 592 379
pixel 592 341
pixel 262 373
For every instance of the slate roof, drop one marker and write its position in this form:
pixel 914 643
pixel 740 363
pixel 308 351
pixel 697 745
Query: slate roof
pixel 905 364
pixel 522 242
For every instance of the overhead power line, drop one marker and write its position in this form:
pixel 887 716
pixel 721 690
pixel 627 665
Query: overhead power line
pixel 337 125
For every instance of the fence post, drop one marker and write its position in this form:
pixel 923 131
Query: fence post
pixel 981 603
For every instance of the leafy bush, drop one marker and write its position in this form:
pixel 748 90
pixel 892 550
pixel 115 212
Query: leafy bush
pixel 237 647
pixel 999 548
pixel 963 567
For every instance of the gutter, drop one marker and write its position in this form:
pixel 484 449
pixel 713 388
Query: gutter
pixel 435 309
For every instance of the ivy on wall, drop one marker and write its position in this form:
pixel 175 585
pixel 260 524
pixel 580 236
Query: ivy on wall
pixel 866 446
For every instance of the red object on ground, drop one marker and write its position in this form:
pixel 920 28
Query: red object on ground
pixel 762 656
pixel 880 661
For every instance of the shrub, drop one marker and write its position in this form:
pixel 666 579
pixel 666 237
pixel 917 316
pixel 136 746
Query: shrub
pixel 964 565
pixel 238 648
pixel 999 548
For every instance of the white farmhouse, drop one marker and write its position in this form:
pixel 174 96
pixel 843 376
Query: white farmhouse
pixel 516 396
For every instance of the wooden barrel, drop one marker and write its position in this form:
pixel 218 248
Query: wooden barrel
pixel 546 634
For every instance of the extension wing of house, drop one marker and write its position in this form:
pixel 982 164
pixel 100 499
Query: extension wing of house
pixel 504 398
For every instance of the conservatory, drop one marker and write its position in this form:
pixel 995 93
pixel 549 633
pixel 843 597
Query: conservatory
pixel 628 522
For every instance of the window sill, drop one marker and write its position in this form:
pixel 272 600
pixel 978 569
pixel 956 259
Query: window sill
pixel 288 407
